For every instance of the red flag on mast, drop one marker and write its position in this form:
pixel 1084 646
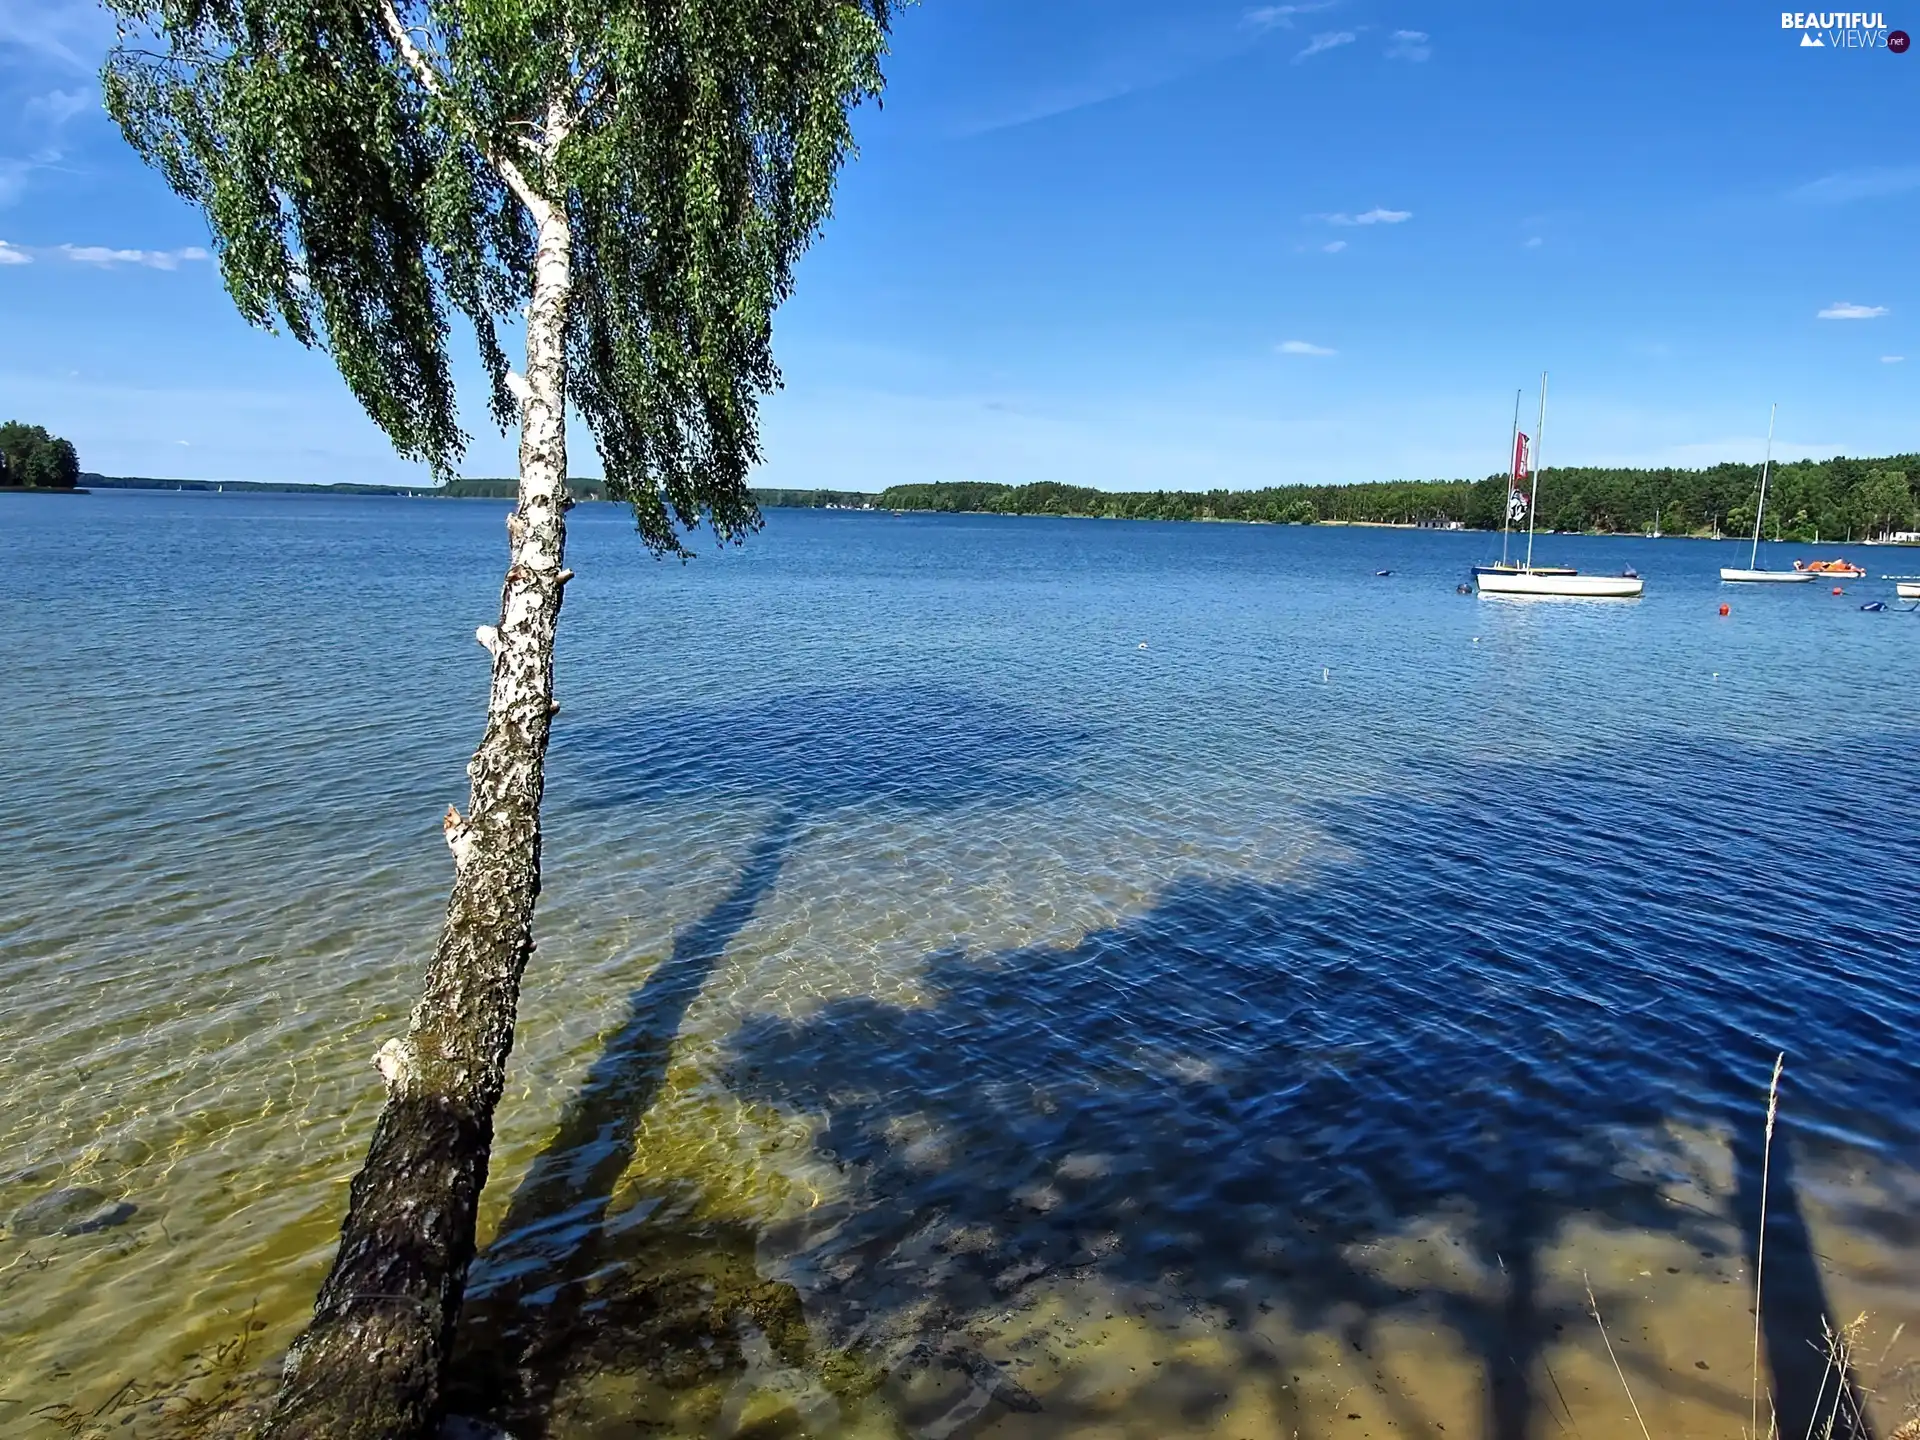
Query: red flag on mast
pixel 1517 482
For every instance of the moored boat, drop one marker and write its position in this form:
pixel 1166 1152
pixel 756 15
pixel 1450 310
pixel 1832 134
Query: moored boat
pixel 1528 579
pixel 1516 506
pixel 1519 503
pixel 1587 587
pixel 1501 568
pixel 1907 589
pixel 1845 569
pixel 1753 575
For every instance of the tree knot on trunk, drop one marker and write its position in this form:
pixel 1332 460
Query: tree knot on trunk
pixel 459 838
pixel 394 1061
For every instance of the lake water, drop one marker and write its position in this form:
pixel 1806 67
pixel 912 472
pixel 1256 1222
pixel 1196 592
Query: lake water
pixel 996 977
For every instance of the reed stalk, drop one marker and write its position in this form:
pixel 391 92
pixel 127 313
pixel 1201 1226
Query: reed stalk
pixel 1760 1254
pixel 1593 1306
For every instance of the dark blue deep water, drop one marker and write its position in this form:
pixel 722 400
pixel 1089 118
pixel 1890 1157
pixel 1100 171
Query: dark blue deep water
pixel 964 934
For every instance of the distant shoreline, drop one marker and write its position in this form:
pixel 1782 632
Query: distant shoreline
pixel 1352 525
pixel 1468 507
pixel 580 490
pixel 259 487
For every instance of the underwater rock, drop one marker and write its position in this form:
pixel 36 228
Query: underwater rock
pixel 70 1210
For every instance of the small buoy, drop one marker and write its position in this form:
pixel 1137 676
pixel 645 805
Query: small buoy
pixel 1379 573
pixel 1325 675
pixel 1143 644
pixel 1726 609
pixel 1463 589
pixel 1476 639
pixel 1874 605
pixel 1838 591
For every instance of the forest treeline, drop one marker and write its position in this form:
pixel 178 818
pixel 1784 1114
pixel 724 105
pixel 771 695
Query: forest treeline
pixel 581 489
pixel 479 489
pixel 31 456
pixel 1837 499
pixel 1807 500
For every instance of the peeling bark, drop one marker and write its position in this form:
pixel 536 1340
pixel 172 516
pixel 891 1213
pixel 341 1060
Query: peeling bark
pixel 369 1365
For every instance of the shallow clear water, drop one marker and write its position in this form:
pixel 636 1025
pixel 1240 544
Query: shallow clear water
pixel 996 976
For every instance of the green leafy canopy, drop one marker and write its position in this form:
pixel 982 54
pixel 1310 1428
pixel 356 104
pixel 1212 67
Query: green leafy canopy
pixel 692 146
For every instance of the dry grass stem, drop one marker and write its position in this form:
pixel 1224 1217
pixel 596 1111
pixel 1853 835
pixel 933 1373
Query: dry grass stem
pixel 1760 1255
pixel 1840 1346
pixel 1593 1306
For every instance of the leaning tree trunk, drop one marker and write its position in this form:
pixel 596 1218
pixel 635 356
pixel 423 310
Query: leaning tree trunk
pixel 369 1365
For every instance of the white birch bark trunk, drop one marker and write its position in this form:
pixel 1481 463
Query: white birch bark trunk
pixel 369 1365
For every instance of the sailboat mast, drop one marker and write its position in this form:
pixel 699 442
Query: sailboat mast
pixel 1753 560
pixel 1539 443
pixel 1506 485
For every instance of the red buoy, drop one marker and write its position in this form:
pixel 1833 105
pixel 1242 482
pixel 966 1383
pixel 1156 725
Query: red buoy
pixel 1838 591
pixel 1726 609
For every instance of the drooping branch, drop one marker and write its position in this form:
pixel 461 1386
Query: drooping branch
pixel 411 53
pixel 435 85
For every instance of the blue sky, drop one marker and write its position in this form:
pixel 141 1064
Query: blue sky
pixel 1146 243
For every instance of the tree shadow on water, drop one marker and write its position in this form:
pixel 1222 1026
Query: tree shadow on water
pixel 1256 1096
pixel 528 1291
pixel 1367 1101
pixel 569 1288
pixel 1815 1389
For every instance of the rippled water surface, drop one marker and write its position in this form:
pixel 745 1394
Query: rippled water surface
pixel 996 977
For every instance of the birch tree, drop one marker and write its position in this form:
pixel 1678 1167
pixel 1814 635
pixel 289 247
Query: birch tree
pixel 627 183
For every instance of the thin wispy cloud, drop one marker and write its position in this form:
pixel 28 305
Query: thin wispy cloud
pixel 1330 40
pixel 1891 359
pixel 107 257
pixel 39 141
pixel 1847 310
pixel 1334 247
pixel 1108 65
pixel 1303 347
pixel 1409 45
pixel 102 257
pixel 1280 17
pixel 1534 242
pixel 70 33
pixel 44 120
pixel 1375 216
pixel 1871 183
pixel 55 108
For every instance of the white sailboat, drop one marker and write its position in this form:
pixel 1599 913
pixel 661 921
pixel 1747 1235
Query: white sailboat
pixel 1517 453
pixel 1752 575
pixel 1527 580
